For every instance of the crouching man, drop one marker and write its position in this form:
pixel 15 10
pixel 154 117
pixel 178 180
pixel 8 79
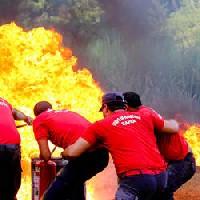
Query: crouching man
pixel 173 147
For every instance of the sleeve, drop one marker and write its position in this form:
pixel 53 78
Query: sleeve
pixel 10 106
pixel 40 131
pixel 90 135
pixel 158 120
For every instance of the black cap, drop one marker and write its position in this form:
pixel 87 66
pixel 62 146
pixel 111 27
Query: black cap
pixel 111 97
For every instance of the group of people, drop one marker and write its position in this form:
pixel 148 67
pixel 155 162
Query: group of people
pixel 151 156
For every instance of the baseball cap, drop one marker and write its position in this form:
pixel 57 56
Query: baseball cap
pixel 110 97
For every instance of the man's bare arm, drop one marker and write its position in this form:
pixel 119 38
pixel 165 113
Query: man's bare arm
pixel 45 153
pixel 76 149
pixel 18 115
pixel 170 126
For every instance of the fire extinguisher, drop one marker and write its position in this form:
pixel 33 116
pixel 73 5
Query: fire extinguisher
pixel 43 174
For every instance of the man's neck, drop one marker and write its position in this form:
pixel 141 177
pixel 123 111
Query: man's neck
pixel 119 110
pixel 131 109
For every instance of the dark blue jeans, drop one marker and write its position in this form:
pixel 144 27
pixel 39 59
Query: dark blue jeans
pixel 69 184
pixel 179 172
pixel 141 187
pixel 10 171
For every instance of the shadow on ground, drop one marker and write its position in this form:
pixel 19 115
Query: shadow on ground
pixel 190 190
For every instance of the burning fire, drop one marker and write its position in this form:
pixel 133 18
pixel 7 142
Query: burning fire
pixel 192 134
pixel 36 66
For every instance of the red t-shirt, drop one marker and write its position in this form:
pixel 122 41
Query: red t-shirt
pixel 8 131
pixel 62 127
pixel 171 146
pixel 130 138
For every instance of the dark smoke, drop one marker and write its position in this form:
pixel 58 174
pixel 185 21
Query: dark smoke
pixel 153 65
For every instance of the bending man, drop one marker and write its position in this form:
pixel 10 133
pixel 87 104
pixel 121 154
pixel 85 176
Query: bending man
pixel 62 128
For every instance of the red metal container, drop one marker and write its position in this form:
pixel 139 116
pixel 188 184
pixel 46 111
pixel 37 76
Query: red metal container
pixel 60 163
pixel 43 174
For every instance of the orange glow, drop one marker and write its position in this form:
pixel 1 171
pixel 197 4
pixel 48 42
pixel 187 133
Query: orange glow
pixel 36 66
pixel 192 134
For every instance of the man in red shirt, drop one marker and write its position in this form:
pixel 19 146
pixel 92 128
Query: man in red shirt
pixel 63 128
pixel 174 148
pixel 10 156
pixel 130 139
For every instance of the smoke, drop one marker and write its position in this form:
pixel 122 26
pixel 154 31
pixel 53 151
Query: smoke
pixel 137 53
pixel 8 10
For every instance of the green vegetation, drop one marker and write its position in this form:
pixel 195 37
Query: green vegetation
pixel 150 46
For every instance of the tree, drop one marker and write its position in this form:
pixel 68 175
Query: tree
pixel 184 24
pixel 77 18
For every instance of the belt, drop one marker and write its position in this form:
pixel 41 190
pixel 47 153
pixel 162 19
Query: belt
pixel 4 147
pixel 140 172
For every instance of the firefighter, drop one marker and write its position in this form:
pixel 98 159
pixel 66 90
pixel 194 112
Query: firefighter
pixel 10 155
pixel 131 141
pixel 174 148
pixel 62 128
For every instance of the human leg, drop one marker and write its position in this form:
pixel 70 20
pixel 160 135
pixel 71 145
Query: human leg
pixel 125 192
pixel 66 185
pixel 139 187
pixel 71 179
pixel 10 173
pixel 17 171
pixel 179 172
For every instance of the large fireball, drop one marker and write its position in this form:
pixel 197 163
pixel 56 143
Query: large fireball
pixel 36 66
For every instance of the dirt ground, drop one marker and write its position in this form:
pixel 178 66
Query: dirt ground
pixel 103 186
pixel 190 190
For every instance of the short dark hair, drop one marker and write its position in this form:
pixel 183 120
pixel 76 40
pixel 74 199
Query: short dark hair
pixel 112 106
pixel 133 99
pixel 41 106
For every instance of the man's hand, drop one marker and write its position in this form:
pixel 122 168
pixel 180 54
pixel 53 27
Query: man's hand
pixel 18 115
pixel 28 120
pixel 64 154
pixel 45 153
pixel 170 126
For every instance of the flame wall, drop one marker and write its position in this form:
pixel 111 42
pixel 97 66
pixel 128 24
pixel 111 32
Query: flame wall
pixel 36 66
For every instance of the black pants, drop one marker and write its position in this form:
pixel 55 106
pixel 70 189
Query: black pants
pixel 69 184
pixel 10 171
pixel 141 187
pixel 179 172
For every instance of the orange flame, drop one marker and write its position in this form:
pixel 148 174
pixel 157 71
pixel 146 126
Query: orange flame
pixel 192 135
pixel 36 66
